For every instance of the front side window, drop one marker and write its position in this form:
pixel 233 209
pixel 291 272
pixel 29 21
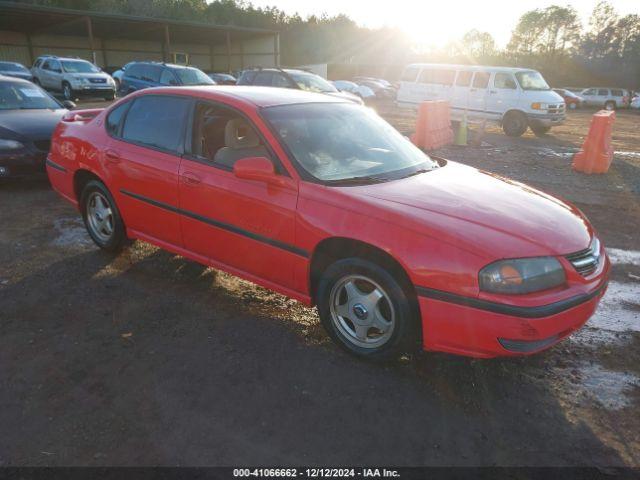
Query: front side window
pixel 222 136
pixel 532 80
pixel 25 96
pixel 263 79
pixel 79 66
pixel 279 80
pixel 156 121
pixel 481 79
pixel 504 81
pixel 192 76
pixel 344 143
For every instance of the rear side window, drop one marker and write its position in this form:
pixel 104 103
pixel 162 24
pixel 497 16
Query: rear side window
pixel 617 93
pixel 114 119
pixel 151 73
pixel 504 80
pixel 591 91
pixel 280 80
pixel 481 79
pixel 603 92
pixel 410 74
pixel 247 77
pixel 157 122
pixel 167 77
pixel 464 79
pixel 263 79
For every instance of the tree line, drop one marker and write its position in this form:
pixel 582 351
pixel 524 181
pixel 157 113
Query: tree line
pixel 604 52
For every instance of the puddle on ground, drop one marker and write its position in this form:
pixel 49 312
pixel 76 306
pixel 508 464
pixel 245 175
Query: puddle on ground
pixel 71 233
pixel 611 389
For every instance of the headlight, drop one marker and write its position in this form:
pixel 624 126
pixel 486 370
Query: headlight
pixel 522 275
pixel 10 145
pixel 539 106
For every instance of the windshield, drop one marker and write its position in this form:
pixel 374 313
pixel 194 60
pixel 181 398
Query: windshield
pixel 78 66
pixel 12 67
pixel 340 142
pixel 193 76
pixel 25 96
pixel 312 83
pixel 531 80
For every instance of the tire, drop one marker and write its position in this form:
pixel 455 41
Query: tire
pixel 540 131
pixel 514 124
pixel 367 295
pixel 610 105
pixel 109 235
pixel 67 91
pixel 110 97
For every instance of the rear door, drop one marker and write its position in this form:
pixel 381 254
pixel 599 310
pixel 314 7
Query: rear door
pixel 143 156
pixel 460 93
pixel 478 95
pixel 603 96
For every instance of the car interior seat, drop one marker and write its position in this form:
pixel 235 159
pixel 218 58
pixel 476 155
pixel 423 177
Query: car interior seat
pixel 241 141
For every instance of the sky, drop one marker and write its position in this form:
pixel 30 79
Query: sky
pixel 438 22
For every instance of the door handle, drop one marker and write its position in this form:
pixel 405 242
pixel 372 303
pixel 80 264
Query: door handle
pixel 112 156
pixel 191 178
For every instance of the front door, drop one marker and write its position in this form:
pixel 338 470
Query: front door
pixel 143 157
pixel 503 94
pixel 247 225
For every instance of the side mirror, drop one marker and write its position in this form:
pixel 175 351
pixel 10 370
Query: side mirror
pixel 257 168
pixel 68 104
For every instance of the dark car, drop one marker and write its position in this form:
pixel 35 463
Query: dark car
pixel 28 116
pixel 292 78
pixel 223 78
pixel 140 75
pixel 15 69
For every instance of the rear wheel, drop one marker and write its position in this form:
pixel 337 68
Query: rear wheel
pixel 539 131
pixel 610 105
pixel 514 124
pixel 102 217
pixel 365 310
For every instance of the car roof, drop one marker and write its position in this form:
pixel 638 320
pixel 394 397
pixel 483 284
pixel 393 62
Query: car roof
pixel 472 67
pixel 256 96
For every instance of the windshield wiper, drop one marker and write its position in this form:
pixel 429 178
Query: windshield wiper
pixel 359 180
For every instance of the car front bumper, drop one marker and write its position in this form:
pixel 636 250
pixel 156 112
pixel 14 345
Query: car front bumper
pixel 21 163
pixel 480 329
pixel 545 119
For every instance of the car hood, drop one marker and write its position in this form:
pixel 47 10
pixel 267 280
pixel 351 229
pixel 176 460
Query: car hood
pixel 483 212
pixel 16 74
pixel 543 96
pixel 29 124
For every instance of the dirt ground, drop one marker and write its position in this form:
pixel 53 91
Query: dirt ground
pixel 148 359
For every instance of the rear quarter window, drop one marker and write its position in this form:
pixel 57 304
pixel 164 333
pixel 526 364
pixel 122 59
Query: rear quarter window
pixel 114 119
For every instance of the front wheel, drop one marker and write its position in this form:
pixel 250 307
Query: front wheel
pixel 366 311
pixel 514 124
pixel 67 92
pixel 102 217
pixel 610 105
pixel 539 131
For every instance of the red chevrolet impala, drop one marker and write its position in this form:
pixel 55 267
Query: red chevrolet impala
pixel 321 200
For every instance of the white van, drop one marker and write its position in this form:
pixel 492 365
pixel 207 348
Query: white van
pixel 515 98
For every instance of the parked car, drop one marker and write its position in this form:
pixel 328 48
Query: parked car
pixel 140 75
pixel 571 100
pixel 351 87
pixel 15 69
pixel 118 74
pixel 609 98
pixel 381 81
pixel 515 98
pixel 28 116
pixel 223 78
pixel 635 103
pixel 73 77
pixel 574 89
pixel 379 90
pixel 321 200
pixel 296 79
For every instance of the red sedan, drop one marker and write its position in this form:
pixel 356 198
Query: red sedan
pixel 322 200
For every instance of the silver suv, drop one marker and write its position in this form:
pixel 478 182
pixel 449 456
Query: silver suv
pixel 73 77
pixel 609 98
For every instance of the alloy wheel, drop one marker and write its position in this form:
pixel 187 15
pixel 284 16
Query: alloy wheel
pixel 100 216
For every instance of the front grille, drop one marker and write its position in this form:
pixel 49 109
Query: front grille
pixel 43 145
pixel 556 108
pixel 586 261
pixel 98 80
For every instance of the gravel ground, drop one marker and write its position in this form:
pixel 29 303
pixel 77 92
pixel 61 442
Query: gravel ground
pixel 148 359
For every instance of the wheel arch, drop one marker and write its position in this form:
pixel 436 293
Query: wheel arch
pixel 332 249
pixel 81 177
